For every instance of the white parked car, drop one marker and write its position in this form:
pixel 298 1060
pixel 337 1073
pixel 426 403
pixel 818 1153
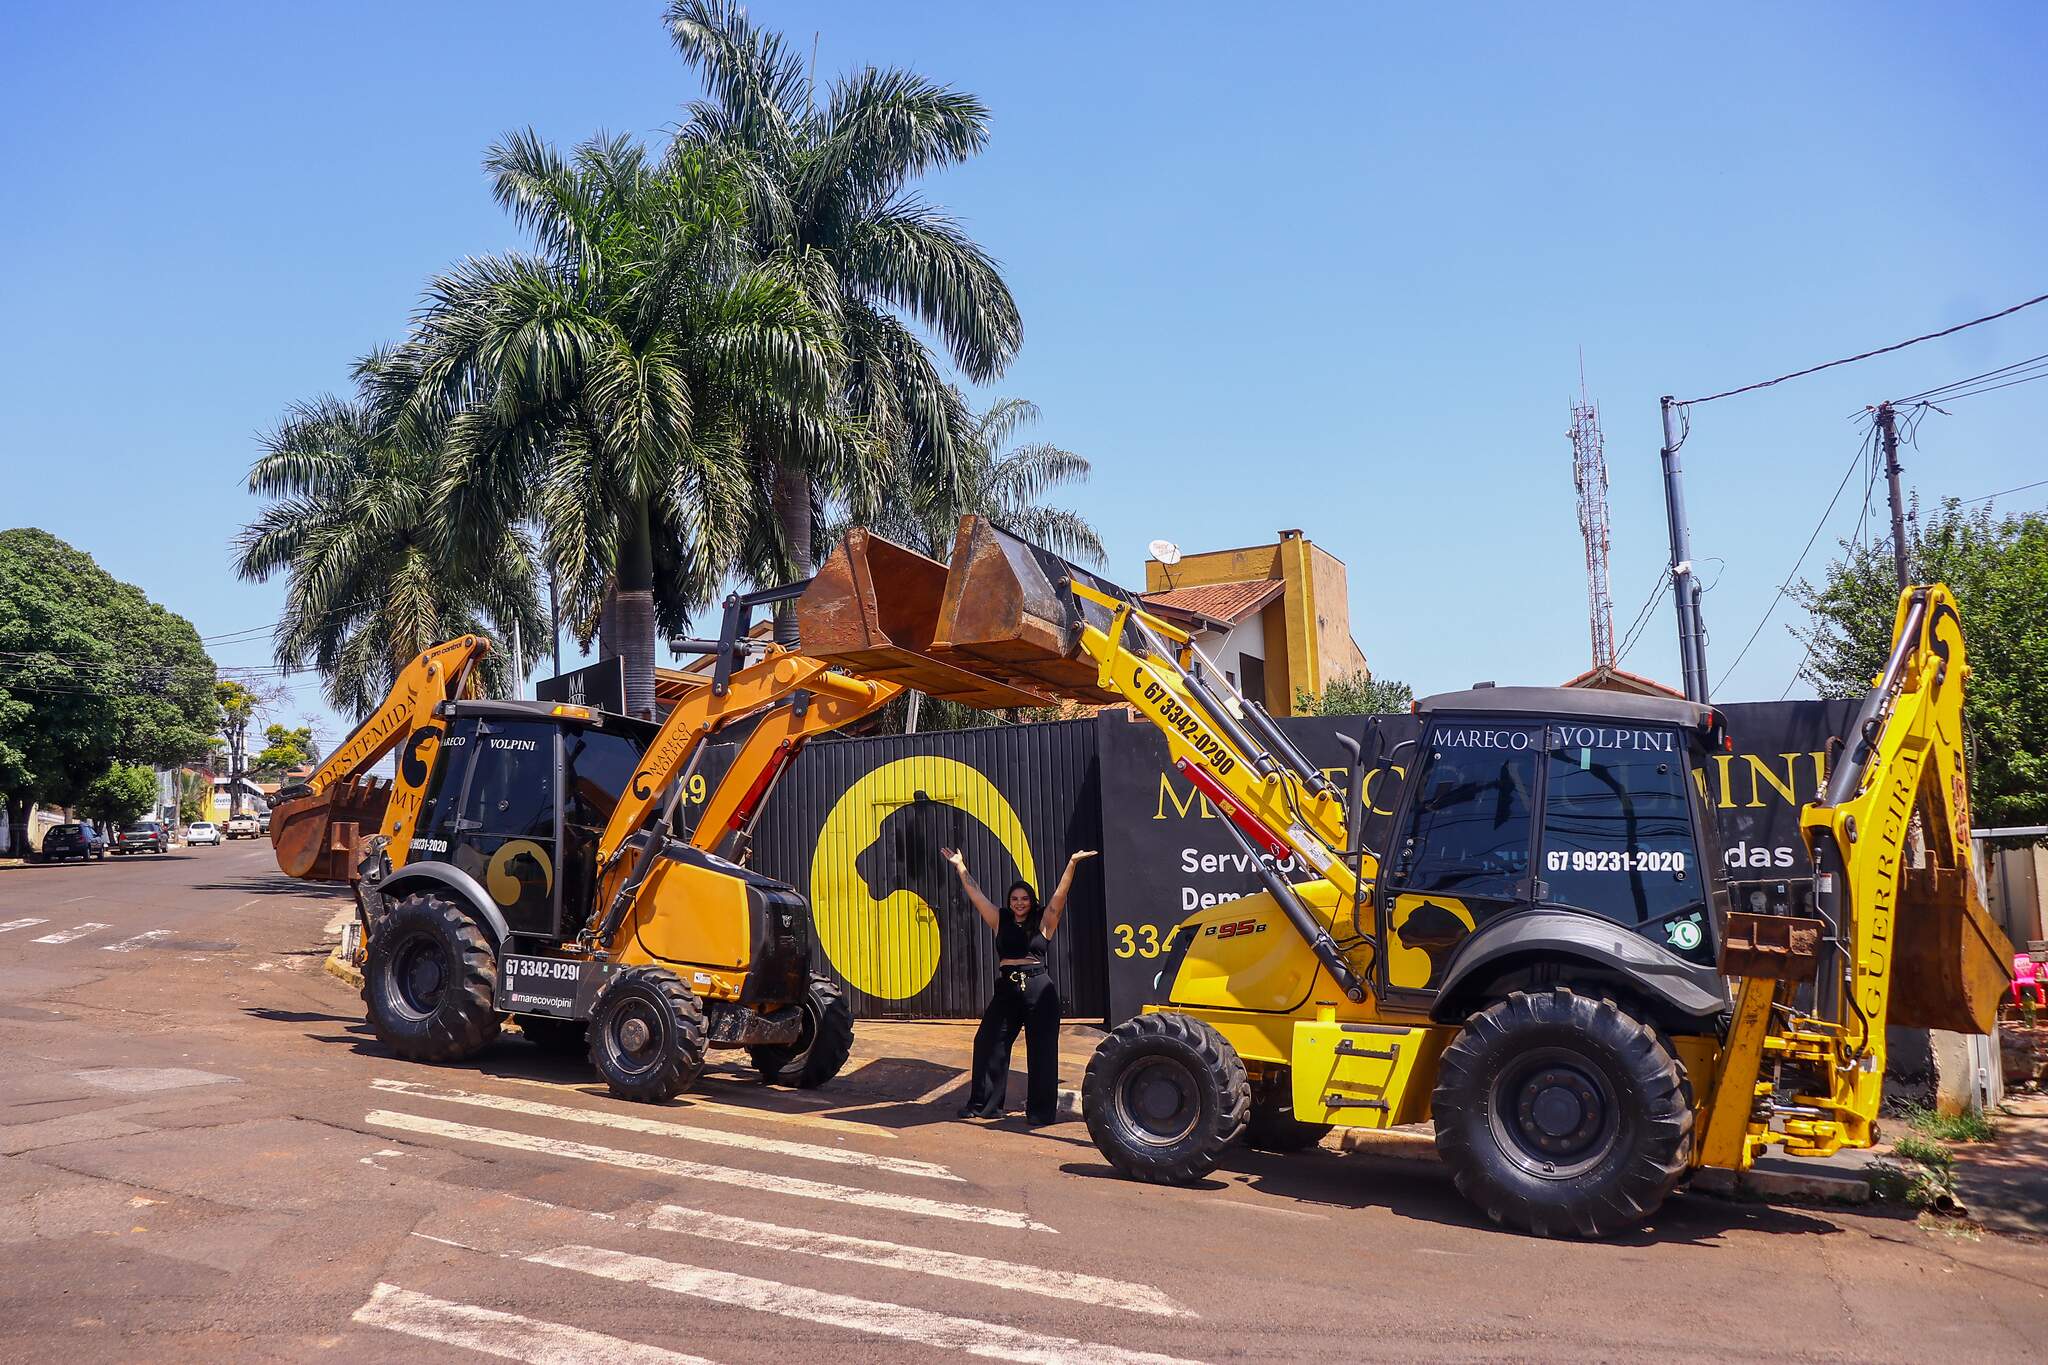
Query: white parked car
pixel 202 832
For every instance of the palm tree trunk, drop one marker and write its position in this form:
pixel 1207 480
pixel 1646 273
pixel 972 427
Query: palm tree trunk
pixel 793 515
pixel 626 626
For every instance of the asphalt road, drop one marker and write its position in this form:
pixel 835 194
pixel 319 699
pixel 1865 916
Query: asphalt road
pixel 204 1156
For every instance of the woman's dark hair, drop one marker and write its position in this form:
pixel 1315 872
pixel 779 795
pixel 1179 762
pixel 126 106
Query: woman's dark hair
pixel 1027 889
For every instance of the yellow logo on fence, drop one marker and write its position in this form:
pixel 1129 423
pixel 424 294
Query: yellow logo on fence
pixel 876 876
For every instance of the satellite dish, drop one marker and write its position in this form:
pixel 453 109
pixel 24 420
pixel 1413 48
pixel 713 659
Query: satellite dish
pixel 1165 551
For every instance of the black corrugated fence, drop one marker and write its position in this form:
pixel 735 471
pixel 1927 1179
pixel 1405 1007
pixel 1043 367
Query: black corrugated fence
pixel 857 825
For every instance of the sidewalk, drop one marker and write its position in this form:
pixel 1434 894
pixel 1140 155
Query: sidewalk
pixel 2004 1183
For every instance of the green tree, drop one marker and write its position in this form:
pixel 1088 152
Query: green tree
pixel 123 793
pixel 91 673
pixel 283 749
pixel 370 578
pixel 607 386
pixel 832 195
pixel 995 479
pixel 1357 694
pixel 237 707
pixel 1997 566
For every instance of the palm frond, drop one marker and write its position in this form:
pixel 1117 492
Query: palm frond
pixel 911 255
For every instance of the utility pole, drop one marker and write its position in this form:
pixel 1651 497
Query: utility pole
pixel 1888 433
pixel 1692 640
pixel 518 664
pixel 555 619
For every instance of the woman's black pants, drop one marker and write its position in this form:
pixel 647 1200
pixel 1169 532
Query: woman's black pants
pixel 1034 1007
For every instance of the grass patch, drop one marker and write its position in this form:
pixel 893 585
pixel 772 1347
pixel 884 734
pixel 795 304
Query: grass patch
pixel 1929 1154
pixel 1968 1126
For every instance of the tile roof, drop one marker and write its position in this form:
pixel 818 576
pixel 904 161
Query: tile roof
pixel 1232 603
pixel 1607 677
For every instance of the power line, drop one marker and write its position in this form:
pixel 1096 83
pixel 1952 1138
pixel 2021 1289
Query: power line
pixel 1786 586
pixel 1635 629
pixel 2038 483
pixel 1882 350
pixel 1975 378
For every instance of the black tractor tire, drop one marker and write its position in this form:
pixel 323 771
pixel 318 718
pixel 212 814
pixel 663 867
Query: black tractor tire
pixel 820 1050
pixel 567 1037
pixel 647 1035
pixel 1563 1113
pixel 1165 1096
pixel 1273 1127
pixel 428 982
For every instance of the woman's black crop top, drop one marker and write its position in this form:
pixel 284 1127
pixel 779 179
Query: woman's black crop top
pixel 1020 940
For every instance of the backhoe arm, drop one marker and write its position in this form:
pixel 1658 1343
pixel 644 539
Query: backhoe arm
pixel 315 828
pixel 1902 943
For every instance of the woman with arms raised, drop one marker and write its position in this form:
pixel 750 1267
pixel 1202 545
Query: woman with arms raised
pixel 1024 996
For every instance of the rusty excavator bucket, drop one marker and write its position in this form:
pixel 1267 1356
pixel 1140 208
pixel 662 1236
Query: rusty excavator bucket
pixel 315 835
pixel 1007 608
pixel 1953 963
pixel 872 608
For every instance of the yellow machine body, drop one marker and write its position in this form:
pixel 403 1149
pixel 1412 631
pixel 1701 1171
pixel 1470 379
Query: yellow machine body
pixel 1914 938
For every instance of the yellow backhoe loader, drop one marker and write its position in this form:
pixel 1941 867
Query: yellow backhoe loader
pixel 1540 949
pixel 536 861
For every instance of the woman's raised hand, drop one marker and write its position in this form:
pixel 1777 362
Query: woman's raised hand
pixel 952 855
pixel 1083 853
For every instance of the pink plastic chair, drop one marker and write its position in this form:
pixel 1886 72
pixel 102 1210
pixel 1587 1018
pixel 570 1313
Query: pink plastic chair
pixel 2025 976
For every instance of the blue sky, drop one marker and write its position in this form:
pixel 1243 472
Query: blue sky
pixel 1331 270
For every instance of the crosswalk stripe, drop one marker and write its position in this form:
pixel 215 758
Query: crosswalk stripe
pixel 662 1128
pixel 21 924
pixel 1065 1285
pixel 899 1321
pixel 505 1334
pixel 696 1100
pixel 761 1181
pixel 76 931
pixel 129 945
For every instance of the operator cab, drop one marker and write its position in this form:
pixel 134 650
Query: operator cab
pixel 518 798
pixel 1534 821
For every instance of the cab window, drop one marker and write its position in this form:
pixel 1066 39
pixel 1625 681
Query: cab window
pixel 444 787
pixel 1617 826
pixel 1471 829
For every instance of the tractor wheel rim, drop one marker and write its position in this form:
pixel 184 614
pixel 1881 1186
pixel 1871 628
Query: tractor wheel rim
pixel 421 974
pixel 1158 1101
pixel 637 1036
pixel 1554 1113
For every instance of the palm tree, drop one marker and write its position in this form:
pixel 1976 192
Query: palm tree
pixel 607 385
pixel 830 193
pixel 371 581
pixel 1005 485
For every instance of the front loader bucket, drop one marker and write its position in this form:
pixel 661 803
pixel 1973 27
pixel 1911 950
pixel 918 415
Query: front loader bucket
pixel 1007 606
pixel 1953 964
pixel 315 836
pixel 873 608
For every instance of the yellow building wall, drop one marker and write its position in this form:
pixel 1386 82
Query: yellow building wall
pixel 1308 628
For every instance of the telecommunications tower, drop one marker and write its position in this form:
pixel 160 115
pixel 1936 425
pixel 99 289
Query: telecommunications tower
pixel 1589 474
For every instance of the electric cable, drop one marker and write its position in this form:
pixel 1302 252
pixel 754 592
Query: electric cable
pixel 1975 378
pixel 1881 350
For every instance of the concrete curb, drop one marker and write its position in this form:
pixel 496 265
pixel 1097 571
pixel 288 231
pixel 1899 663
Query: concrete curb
pixel 341 969
pixel 1812 1189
